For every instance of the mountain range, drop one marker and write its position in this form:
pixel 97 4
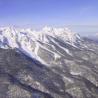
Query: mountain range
pixel 47 63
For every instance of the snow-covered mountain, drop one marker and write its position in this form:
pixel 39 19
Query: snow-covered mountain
pixel 29 41
pixel 13 34
pixel 47 63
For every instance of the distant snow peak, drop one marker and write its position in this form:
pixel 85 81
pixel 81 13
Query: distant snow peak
pixel 56 31
pixel 47 29
pixel 63 33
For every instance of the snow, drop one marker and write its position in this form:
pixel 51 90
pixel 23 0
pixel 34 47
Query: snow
pixel 36 49
pixel 22 39
pixel 68 79
pixel 63 33
pixel 75 73
pixel 63 48
pixel 57 56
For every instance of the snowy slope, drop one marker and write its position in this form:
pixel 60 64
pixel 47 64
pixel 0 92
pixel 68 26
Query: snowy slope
pixel 29 41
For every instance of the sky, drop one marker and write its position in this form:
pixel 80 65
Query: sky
pixel 76 14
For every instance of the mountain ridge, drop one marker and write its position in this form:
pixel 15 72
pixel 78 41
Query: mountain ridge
pixel 27 39
pixel 45 66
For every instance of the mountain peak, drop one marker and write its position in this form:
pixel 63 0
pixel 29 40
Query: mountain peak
pixel 63 33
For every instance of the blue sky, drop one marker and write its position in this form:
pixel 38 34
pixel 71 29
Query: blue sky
pixel 50 12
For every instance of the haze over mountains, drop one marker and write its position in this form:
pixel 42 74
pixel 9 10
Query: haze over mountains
pixel 48 63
